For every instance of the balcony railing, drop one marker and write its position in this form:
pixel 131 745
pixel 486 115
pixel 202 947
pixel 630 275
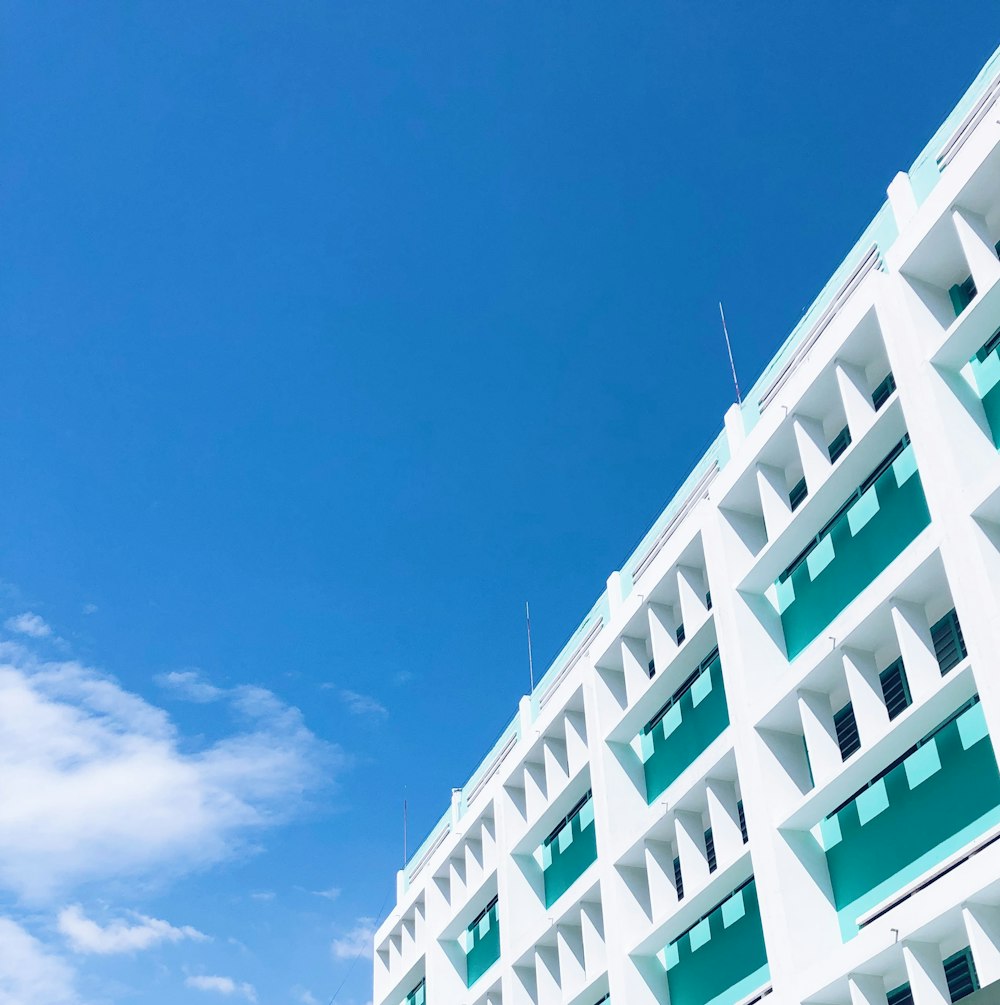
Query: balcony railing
pixel 569 850
pixel 721 959
pixel 693 717
pixel 482 944
pixel 933 800
pixel 869 530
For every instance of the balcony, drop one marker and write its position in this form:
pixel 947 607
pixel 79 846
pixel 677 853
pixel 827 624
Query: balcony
pixel 482 944
pixel 871 529
pixel 722 958
pixel 685 726
pixel 569 850
pixel 941 794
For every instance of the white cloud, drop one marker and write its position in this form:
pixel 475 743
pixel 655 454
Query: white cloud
pixel 87 936
pixel 363 704
pixel 357 942
pixel 96 783
pixel 224 985
pixel 331 894
pixel 263 895
pixel 89 608
pixel 189 684
pixel 29 973
pixel 28 623
pixel 305 996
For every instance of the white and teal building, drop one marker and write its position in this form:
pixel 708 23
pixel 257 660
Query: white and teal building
pixel 765 764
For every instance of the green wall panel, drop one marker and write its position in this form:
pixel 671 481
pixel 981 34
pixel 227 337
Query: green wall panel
pixel 690 725
pixel 860 544
pixel 569 854
pixel 722 958
pixel 938 799
pixel 483 947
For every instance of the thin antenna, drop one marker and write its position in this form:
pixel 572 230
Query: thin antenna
pixel 531 666
pixel 406 857
pixel 729 349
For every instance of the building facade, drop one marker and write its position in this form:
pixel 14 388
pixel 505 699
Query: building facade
pixel 766 762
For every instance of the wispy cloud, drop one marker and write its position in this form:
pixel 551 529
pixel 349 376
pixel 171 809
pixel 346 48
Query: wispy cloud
pixel 363 704
pixel 189 685
pixel 331 894
pixel 356 942
pixel 263 895
pixel 30 624
pixel 224 986
pixel 87 936
pixel 29 972
pixel 96 783
pixel 89 608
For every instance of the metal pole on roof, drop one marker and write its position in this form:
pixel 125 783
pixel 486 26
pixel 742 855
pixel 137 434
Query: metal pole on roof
pixel 405 856
pixel 729 349
pixel 531 666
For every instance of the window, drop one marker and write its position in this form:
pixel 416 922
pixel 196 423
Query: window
pixel 743 821
pixel 989 346
pixel 895 689
pixel 847 731
pixel 883 392
pixel 949 645
pixel 798 494
pixel 839 444
pixel 680 633
pixel 900 996
pixel 651 669
pixel 708 600
pixel 962 294
pixel 678 880
pixel 418 996
pixel 960 972
pixel 713 862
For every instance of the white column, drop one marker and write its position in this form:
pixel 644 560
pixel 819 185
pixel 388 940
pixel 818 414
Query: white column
pixel 925 972
pixel 725 818
pixel 982 927
pixel 858 406
pixel 662 635
pixel 773 499
pixel 691 848
pixel 866 989
pixel 974 237
pixel 814 451
pixel 913 632
pixel 865 689
pixel 821 735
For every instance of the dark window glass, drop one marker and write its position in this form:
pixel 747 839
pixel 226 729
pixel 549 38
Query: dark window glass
pixel 847 731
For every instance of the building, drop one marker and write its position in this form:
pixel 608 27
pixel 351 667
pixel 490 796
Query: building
pixel 766 761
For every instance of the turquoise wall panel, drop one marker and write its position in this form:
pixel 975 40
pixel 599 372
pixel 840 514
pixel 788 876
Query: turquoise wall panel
pixel 484 946
pixel 569 854
pixel 722 959
pixel 935 801
pixel 860 544
pixel 986 373
pixel 691 724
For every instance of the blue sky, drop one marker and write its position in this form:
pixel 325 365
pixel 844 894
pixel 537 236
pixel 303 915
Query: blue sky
pixel 331 333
